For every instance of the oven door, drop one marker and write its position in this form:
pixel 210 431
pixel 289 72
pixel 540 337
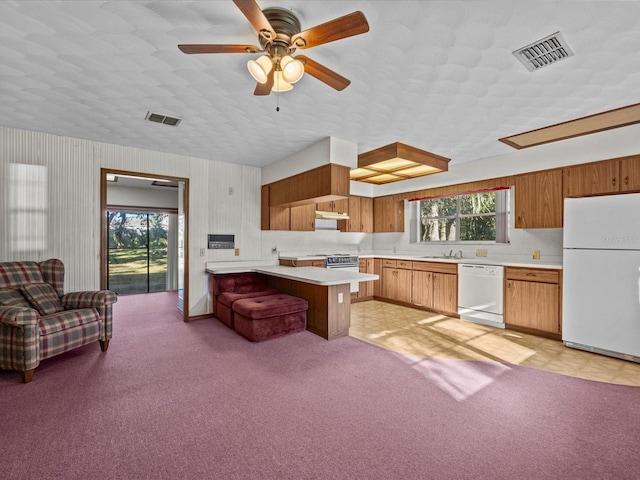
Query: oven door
pixel 353 286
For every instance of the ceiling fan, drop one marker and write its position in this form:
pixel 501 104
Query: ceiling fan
pixel 280 35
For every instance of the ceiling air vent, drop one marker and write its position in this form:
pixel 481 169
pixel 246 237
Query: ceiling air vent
pixel 544 52
pixel 158 118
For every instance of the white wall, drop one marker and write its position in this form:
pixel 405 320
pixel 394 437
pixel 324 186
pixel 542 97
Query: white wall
pixel 72 212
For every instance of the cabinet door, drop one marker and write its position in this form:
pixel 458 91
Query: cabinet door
pixel 325 206
pixel 388 215
pixel 538 200
pixel 303 218
pixel 377 284
pixel 422 289
pixel 389 282
pixel 366 215
pixel 354 223
pixel 591 178
pixel 341 206
pixel 445 292
pixel 366 288
pixel 532 305
pixel 630 174
pixel 403 285
pixel 279 218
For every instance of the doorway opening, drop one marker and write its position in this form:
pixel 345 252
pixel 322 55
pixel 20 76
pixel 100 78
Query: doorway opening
pixel 141 251
pixel 144 240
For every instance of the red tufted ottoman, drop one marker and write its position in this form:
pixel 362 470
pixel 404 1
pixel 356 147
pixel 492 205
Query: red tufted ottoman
pixel 261 318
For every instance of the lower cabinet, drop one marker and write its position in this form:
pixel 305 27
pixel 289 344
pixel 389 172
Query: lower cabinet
pixel 532 300
pixel 396 280
pixel 365 289
pixel 435 286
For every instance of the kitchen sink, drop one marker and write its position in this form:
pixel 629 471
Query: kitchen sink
pixel 442 256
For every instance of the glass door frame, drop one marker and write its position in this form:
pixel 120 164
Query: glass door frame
pixel 104 227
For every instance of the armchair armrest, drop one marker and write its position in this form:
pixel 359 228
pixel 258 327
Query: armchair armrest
pixel 18 316
pixel 89 299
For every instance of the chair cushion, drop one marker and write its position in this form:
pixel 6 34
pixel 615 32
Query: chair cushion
pixel 42 297
pixel 269 306
pixel 11 297
pixel 228 298
pixel 68 319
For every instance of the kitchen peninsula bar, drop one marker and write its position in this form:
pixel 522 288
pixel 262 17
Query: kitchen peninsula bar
pixel 326 290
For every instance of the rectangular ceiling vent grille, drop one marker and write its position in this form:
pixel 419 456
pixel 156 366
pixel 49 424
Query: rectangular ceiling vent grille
pixel 158 118
pixel 544 52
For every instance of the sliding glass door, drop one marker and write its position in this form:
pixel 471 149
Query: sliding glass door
pixel 138 252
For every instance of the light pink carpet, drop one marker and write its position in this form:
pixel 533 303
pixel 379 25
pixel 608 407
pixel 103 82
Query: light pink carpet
pixel 171 400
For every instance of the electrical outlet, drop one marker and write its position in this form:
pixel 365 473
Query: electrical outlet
pixel 481 252
pixel 340 297
pixel 536 254
pixel 236 252
pixel 202 252
pixel 395 249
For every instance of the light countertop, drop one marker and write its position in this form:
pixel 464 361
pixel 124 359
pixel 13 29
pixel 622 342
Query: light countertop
pixel 313 275
pixel 416 258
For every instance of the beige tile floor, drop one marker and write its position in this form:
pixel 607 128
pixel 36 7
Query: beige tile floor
pixel 426 334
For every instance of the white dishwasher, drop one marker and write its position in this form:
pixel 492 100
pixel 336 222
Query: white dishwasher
pixel 480 293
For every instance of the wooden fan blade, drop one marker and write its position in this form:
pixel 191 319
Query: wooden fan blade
pixel 254 14
pixel 204 48
pixel 353 24
pixel 265 88
pixel 324 74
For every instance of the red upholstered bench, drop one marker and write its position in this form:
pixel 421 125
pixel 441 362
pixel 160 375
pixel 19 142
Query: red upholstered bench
pixel 261 318
pixel 229 288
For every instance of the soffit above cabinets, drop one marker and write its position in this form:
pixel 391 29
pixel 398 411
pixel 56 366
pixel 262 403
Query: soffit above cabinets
pixel 396 162
pixel 619 117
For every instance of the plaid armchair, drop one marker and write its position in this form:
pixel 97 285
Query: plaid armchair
pixel 38 321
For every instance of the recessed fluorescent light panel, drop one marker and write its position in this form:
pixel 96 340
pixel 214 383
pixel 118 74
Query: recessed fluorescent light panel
pixel 544 52
pixel 159 118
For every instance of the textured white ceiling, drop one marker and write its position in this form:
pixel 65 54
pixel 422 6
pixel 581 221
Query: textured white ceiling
pixel 437 75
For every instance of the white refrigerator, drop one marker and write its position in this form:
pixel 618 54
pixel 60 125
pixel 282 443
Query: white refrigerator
pixel 601 275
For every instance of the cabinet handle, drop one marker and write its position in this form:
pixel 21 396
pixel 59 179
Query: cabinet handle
pixel 626 180
pixel 613 181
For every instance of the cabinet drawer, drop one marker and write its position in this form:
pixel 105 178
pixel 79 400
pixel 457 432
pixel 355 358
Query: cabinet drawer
pixel 404 264
pixel 389 263
pixel 532 274
pixel 439 267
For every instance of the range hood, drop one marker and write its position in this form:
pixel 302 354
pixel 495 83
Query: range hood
pixel 325 215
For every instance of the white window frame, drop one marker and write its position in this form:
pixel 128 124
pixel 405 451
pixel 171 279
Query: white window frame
pixel 502 215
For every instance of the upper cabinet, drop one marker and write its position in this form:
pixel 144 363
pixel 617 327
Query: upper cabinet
pixel 388 214
pixel 538 200
pixel 630 174
pixel 303 218
pixel 338 206
pixel 360 211
pixel 273 218
pixel 596 178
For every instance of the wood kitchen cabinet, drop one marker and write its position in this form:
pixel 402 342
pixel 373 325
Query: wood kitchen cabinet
pixel 435 286
pixel 538 201
pixel 365 291
pixel 388 214
pixel 532 300
pixel 339 206
pixel 630 174
pixel 273 218
pixel 360 211
pixel 596 178
pixel 377 284
pixel 301 263
pixel 396 280
pixel 303 218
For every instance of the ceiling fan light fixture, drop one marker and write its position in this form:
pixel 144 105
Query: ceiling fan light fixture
pixel 280 84
pixel 292 69
pixel 260 68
